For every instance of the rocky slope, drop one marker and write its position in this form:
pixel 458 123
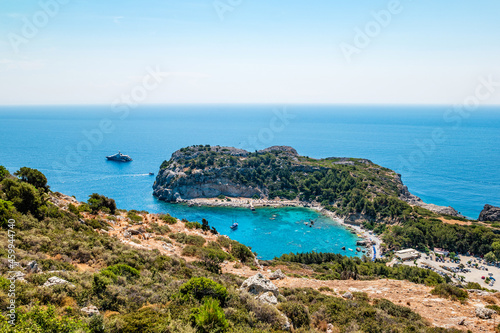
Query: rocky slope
pixel 490 213
pixel 280 172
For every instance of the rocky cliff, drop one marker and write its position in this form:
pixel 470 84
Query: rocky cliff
pixel 490 213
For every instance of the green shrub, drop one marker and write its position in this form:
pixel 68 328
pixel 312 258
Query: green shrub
pixel 121 270
pixel 33 177
pixel 209 318
pixel 4 173
pixel 72 208
pixel 200 287
pixel 193 225
pixel 55 265
pixel 224 242
pixel 396 310
pixel 98 202
pixel 168 219
pixel 191 251
pixel 241 252
pixel 298 314
pixel 451 292
pixel 143 320
pixel 493 307
pixel 39 319
pixel 159 229
pixel 187 239
pixel 6 212
pixel 134 216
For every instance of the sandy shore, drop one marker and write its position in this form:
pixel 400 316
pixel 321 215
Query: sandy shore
pixel 259 203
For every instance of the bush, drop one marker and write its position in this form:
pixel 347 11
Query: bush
pixel 201 287
pixel 224 241
pixel 99 202
pixel 25 197
pixel 188 239
pixel 134 216
pixel 4 173
pixel 209 318
pixel 451 292
pixel 6 212
pixel 120 270
pixel 396 310
pixel 297 313
pixel 159 229
pixel 168 219
pixel 143 320
pixel 241 252
pixel 33 177
pixel 193 225
pixel 38 319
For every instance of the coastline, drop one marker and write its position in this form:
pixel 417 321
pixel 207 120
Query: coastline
pixel 250 203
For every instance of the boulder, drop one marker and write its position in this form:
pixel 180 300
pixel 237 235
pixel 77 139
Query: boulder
pixel 329 328
pixel 347 295
pixel 53 281
pixel 91 310
pixel 490 213
pixel 484 313
pixel 258 284
pixel 277 275
pixel 268 298
pixel 32 267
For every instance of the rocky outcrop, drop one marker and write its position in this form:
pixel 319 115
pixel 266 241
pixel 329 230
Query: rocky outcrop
pixel 277 275
pixel 54 281
pixel 412 199
pixel 268 298
pixel 490 213
pixel 484 313
pixel 176 186
pixel 347 295
pixel 258 285
pixel 32 267
pixel 91 310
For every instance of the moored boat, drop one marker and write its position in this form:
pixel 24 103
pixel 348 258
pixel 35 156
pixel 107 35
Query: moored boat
pixel 234 226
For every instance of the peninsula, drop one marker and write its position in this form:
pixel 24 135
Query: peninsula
pixel 354 189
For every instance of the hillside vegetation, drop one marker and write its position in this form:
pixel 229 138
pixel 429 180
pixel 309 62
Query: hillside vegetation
pixel 139 290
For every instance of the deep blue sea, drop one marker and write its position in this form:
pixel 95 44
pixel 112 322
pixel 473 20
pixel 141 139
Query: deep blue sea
pixel 445 157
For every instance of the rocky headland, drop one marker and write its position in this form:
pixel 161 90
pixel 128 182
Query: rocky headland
pixel 489 213
pixel 353 189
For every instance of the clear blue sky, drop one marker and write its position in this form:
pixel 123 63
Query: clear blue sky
pixel 263 51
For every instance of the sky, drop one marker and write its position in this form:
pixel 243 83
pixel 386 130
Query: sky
pixel 248 51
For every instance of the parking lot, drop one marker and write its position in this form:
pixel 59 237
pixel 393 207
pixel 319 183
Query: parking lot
pixel 471 268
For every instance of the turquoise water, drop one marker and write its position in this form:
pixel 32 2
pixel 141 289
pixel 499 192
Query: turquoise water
pixel 460 171
pixel 274 231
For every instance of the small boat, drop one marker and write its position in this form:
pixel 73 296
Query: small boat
pixel 151 173
pixel 119 158
pixel 350 250
pixel 358 249
pixel 234 226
